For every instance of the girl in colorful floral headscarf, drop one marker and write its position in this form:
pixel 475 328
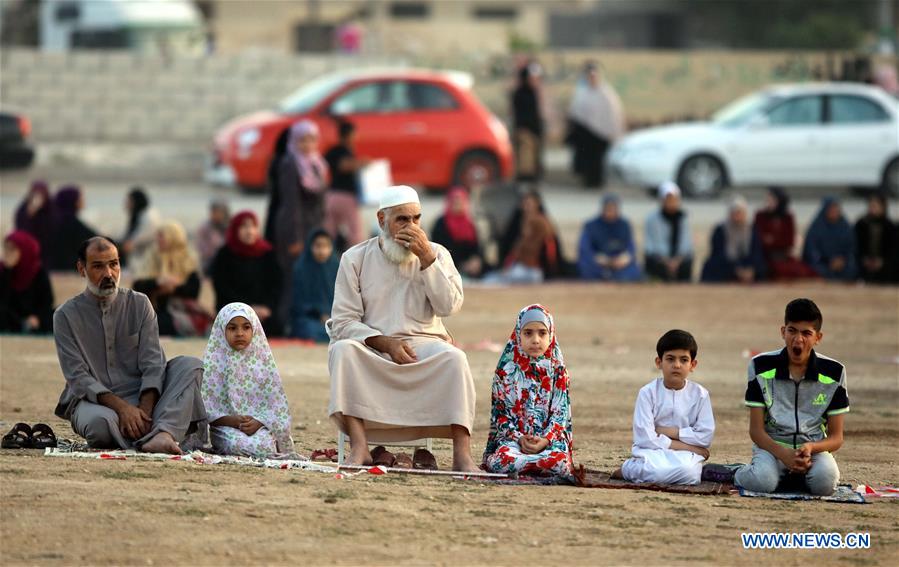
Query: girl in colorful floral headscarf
pixel 530 419
pixel 242 390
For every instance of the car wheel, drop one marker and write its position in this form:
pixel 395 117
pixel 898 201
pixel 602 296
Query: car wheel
pixel 890 183
pixel 702 176
pixel 476 168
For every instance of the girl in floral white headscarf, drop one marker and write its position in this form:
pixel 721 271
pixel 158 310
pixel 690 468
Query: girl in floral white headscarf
pixel 530 419
pixel 242 390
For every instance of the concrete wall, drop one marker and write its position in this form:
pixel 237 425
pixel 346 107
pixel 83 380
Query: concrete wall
pixel 99 96
pixel 120 97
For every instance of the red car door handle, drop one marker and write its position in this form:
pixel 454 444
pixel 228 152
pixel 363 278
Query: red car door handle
pixel 414 128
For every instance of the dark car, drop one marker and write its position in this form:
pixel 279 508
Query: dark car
pixel 14 148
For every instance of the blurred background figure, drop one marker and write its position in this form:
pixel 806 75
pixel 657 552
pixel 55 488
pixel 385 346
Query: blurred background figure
pixel 530 249
pixel 736 250
pixel 140 234
pixel 606 251
pixel 211 234
pixel 69 232
pixel 342 200
pixel 595 121
pixel 246 270
pixel 171 279
pixel 271 182
pixel 776 228
pixel 876 239
pixel 668 245
pixel 26 297
pixel 348 38
pixel 35 215
pixel 302 184
pixel 528 125
pixel 456 231
pixel 830 243
pixel 315 273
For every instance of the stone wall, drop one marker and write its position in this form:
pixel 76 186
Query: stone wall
pixel 120 97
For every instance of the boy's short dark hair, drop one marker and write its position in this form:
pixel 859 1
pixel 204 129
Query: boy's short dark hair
pixel 82 250
pixel 345 128
pixel 676 339
pixel 803 310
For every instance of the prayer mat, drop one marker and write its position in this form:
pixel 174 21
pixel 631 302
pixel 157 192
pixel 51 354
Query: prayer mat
pixel 197 457
pixel 587 478
pixel 877 491
pixel 76 450
pixel 480 475
pixel 843 494
pixel 524 480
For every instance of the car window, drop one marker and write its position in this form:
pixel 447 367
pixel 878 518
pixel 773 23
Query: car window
pixel 796 112
pixel 311 94
pixel 426 96
pixel 384 96
pixel 845 109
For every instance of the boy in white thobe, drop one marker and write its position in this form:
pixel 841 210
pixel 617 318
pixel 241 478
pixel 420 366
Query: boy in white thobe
pixel 673 421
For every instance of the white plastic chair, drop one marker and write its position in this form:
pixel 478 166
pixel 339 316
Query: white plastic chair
pixel 342 439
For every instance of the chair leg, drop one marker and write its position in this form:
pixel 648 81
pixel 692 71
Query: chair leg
pixel 341 441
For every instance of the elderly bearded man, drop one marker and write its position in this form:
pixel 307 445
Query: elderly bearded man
pixel 120 393
pixel 394 374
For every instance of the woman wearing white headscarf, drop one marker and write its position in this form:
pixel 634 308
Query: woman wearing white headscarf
pixel 595 121
pixel 736 249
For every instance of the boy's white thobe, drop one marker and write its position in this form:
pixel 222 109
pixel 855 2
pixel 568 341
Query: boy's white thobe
pixel 690 410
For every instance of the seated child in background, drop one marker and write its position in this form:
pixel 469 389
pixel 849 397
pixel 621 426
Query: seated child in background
pixel 242 391
pixel 530 418
pixel 314 277
pixel 796 401
pixel 673 421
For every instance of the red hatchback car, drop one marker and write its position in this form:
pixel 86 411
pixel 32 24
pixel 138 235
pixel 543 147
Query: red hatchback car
pixel 428 124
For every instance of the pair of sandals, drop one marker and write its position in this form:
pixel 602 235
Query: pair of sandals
pixel 23 436
pixel 422 459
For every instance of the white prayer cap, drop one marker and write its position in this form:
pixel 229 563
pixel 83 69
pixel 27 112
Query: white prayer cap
pixel 668 188
pixel 398 195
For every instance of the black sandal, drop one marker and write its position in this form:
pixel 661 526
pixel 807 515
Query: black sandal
pixel 19 437
pixel 42 436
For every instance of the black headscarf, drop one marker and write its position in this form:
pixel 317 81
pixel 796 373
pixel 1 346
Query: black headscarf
pixel 782 199
pixel 139 203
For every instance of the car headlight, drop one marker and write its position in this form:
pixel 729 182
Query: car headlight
pixel 248 138
pixel 498 129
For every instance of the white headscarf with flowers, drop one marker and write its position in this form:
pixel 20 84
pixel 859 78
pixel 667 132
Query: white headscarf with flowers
pixel 245 382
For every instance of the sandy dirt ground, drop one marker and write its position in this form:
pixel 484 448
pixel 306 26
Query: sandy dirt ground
pixel 66 511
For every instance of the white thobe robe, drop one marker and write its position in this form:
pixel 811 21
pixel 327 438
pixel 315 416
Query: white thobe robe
pixel 397 402
pixel 690 410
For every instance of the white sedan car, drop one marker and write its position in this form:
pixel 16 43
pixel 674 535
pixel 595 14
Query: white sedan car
pixel 815 134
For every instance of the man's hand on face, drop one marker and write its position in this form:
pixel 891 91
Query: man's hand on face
pixel 415 239
pixel 134 422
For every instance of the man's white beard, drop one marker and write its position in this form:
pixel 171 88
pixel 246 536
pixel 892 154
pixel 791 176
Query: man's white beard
pixel 102 292
pixel 395 252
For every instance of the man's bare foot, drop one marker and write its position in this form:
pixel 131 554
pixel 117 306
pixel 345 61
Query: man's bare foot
pixel 464 463
pixel 162 442
pixel 617 474
pixel 361 457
